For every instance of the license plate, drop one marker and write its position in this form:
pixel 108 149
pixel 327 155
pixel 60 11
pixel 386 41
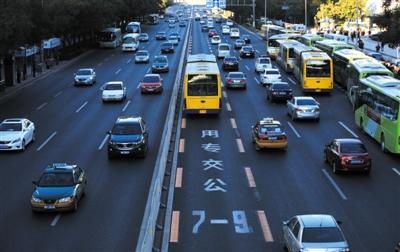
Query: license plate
pixel 150 89
pixel 248 54
pixel 3 146
pixel 318 90
pixel 236 81
pixel 203 111
pixel 356 161
pixel 282 93
pixel 124 152
pixel 49 207
pixel 272 138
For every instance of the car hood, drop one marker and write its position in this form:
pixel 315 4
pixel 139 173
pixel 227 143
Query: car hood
pixel 112 92
pixel 53 192
pixel 126 138
pixel 325 247
pixel 10 135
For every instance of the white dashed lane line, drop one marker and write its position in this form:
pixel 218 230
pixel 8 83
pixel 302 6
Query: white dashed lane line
pixel 292 81
pixel 396 171
pixel 57 94
pixel 336 186
pixel 41 106
pixel 228 106
pixel 224 94
pixel 126 105
pixel 81 107
pixel 103 142
pixel 47 140
pixel 129 61
pixel 118 71
pixel 294 130
pixel 55 220
pixel 258 82
pixel 348 129
pixel 248 69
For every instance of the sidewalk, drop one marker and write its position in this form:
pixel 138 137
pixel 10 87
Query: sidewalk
pixel 370 45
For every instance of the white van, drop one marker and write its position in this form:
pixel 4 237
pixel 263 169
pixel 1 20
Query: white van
pixel 130 42
pixel 224 50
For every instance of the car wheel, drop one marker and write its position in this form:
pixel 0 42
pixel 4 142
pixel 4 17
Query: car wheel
pixel 293 117
pixel 361 124
pixel 256 146
pixel 368 172
pixel 334 168
pixel 110 156
pixel 383 145
pixel 33 137
pixel 76 205
pixel 317 119
pixel 23 145
pixel 267 97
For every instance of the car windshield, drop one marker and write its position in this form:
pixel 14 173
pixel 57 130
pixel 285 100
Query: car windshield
pixel 151 79
pixel 161 33
pixel 143 35
pixel 274 72
pixel 167 45
pixel 141 53
pixel 113 87
pixel 322 235
pixel 230 59
pixel 126 129
pixel 84 72
pixel 203 85
pixel 240 41
pixel 11 127
pixel 270 128
pixel 216 38
pixel 160 60
pixel 302 102
pixel 246 48
pixel 352 148
pixel 280 86
pixel 224 48
pixel 129 40
pixel 236 75
pixel 51 179
pixel 265 61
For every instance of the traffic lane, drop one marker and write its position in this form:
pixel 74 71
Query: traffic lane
pixel 199 40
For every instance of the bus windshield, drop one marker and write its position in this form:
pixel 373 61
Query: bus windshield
pixel 202 85
pixel 107 36
pixel 318 68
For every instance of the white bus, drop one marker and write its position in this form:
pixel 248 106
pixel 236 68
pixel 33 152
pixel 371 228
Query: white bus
pixel 133 27
pixel 110 38
pixel 130 42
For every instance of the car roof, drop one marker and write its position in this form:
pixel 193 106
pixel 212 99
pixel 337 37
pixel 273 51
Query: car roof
pixel 269 121
pixel 280 83
pixel 160 56
pixel 235 73
pixel 55 167
pixel 142 51
pixel 151 75
pixel 128 119
pixel 348 140
pixel 84 69
pixel 317 220
pixel 14 120
pixel 114 82
pixel 304 97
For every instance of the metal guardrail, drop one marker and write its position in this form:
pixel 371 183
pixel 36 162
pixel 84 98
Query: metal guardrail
pixel 151 225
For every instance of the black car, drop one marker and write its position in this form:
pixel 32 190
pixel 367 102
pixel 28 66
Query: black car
pixel 204 28
pixel 160 64
pixel 128 137
pixel 246 39
pixel 239 43
pixel 279 91
pixel 247 51
pixel 167 47
pixel 230 63
pixel 161 36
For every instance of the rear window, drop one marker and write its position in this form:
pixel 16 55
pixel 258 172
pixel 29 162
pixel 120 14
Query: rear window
pixel 127 129
pixel 113 87
pixel 280 86
pixel 223 48
pixel 141 53
pixel 270 128
pixel 265 61
pixel 151 79
pixel 167 44
pixel 322 235
pixel 235 75
pixel 271 72
pixel 84 72
pixel 352 148
pixel 305 102
pixel 160 60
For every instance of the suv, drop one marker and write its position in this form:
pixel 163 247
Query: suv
pixel 128 137
pixel 59 188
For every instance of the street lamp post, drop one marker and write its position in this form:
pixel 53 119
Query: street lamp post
pixel 265 11
pixel 305 14
pixel 254 13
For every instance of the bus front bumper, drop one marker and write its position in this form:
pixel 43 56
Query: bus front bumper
pixel 202 111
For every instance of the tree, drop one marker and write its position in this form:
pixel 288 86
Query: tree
pixel 390 21
pixel 342 10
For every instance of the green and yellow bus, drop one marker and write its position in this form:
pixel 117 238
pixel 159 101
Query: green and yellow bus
pixel 310 39
pixel 330 46
pixel 273 44
pixel 202 85
pixel 341 63
pixel 377 100
pixel 286 54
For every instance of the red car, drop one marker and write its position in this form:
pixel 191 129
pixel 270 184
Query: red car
pixel 347 154
pixel 212 32
pixel 151 83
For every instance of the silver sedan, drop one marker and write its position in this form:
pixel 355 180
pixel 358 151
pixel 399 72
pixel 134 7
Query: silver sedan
pixel 303 107
pixel 85 76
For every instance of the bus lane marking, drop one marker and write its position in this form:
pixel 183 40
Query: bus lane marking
pixel 265 226
pixel 248 69
pixel 118 71
pixel 219 221
pixel 59 93
pixel 175 226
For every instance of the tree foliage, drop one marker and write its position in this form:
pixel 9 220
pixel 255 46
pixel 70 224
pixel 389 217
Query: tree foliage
pixel 342 10
pixel 390 21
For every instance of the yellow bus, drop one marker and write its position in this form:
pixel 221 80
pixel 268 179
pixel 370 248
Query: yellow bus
pixel 314 70
pixel 202 85
pixel 286 54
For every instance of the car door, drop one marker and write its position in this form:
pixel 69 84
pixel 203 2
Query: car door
pixel 335 152
pixel 291 231
pixel 27 131
pixel 290 105
pixel 254 131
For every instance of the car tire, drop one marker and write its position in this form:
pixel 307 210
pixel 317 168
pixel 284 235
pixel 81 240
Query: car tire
pixel 334 168
pixel 317 119
pixel 75 205
pixel 293 117
pixel 256 146
pixel 33 137
pixel 110 156
pixel 23 145
pixel 368 172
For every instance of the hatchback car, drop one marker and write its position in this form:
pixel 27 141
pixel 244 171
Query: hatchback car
pixel 247 52
pixel 246 39
pixel 161 35
pixel 160 64
pixel 262 63
pixel 239 43
pixel 347 154
pixel 167 47
pixel 230 63
pixel 268 133
pixel 279 91
pixel 212 32
pixel 143 37
pixel 224 50
pixel 114 91
pixel 85 76
pixel 314 232
pixel 128 137
pixel 151 83
pixel 236 80
pixel 142 56
pixel 59 188
pixel 16 134
pixel 303 107
pixel 234 33
pixel 269 76
pixel 215 40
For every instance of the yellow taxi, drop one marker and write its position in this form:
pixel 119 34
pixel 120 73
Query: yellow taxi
pixel 268 133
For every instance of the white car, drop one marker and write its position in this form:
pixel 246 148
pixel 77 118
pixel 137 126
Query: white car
pixel 262 63
pixel 229 23
pixel 114 91
pixel 215 40
pixel 269 76
pixel 226 29
pixel 173 39
pixel 142 56
pixel 202 21
pixel 210 25
pixel 234 33
pixel 85 76
pixel 224 50
pixel 303 107
pixel 16 134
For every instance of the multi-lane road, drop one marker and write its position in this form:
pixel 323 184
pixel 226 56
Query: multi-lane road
pixel 228 197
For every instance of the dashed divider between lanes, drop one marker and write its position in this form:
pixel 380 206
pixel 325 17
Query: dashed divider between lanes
pixel 81 107
pixel 396 171
pixel 55 220
pixel 178 178
pixel 47 140
pixel 240 146
pixel 255 78
pixel 103 142
pixel 58 94
pixel 126 105
pixel 292 81
pixel 265 226
pixel 118 71
pixel 250 178
pixel 348 129
pixel 294 130
pixel 41 106
pixel 333 183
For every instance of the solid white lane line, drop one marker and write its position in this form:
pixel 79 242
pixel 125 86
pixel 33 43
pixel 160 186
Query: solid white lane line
pixel 117 72
pixel 129 61
pixel 239 144
pixel 126 105
pixel 47 140
pixel 250 177
pixel 57 94
pixel 348 129
pixel 396 171
pixel 248 69
pixel 103 142
pixel 258 82
pixel 233 123
pixel 292 81
pixel 294 130
pixel 219 221
pixel 334 184
pixel 41 106
pixel 224 94
pixel 55 220
pixel 228 106
pixel 265 226
pixel 81 107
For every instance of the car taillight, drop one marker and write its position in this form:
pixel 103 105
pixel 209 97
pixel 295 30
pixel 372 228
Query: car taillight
pixel 344 159
pixel 299 110
pixel 242 81
pixel 230 81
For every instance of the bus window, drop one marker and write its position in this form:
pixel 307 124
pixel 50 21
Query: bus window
pixel 202 85
pixel 273 43
pixel 318 68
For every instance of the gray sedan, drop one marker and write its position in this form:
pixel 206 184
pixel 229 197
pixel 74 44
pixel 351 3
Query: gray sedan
pixel 85 76
pixel 303 107
pixel 314 232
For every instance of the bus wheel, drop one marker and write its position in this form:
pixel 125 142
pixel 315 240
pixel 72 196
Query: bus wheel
pixel 383 146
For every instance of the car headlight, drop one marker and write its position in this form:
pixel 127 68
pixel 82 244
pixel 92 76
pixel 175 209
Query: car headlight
pixel 16 140
pixel 65 199
pixel 111 143
pixel 36 200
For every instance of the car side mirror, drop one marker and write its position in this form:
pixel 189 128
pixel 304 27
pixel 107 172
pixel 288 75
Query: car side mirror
pixel 109 132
